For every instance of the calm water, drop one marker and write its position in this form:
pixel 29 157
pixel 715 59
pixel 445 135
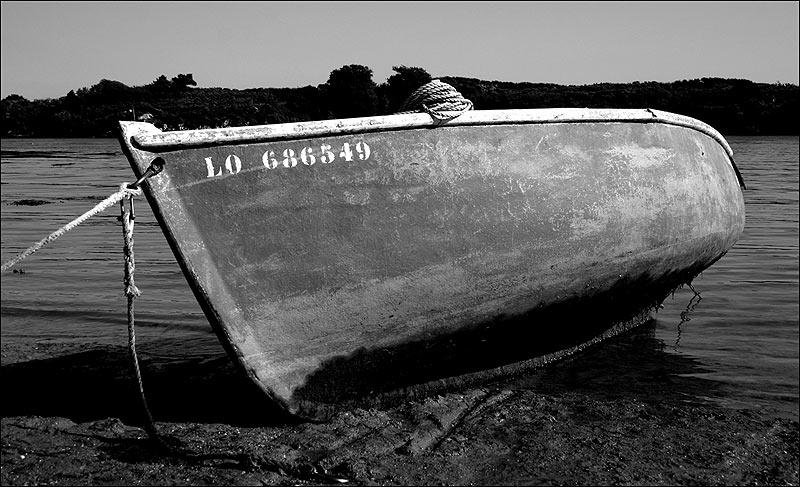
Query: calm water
pixel 743 333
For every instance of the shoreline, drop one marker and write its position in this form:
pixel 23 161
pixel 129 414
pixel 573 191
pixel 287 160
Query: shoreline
pixel 71 416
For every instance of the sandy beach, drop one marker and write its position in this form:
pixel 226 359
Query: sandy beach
pixel 71 416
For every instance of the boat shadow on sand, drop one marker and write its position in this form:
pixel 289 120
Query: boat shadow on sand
pixel 98 382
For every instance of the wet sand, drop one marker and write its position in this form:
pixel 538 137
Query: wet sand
pixel 621 412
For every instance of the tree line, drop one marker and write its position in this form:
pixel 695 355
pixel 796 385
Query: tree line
pixel 732 106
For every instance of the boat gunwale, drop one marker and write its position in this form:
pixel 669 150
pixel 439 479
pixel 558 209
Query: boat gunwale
pixel 263 133
pixel 186 139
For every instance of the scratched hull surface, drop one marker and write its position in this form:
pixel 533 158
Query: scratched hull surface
pixel 315 257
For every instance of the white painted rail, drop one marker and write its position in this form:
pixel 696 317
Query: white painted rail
pixel 261 133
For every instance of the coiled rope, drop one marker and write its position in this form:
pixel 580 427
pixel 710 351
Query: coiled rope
pixel 126 192
pixel 437 98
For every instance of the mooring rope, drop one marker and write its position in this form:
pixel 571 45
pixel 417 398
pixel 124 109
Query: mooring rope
pixel 126 192
pixel 437 98
pixel 132 292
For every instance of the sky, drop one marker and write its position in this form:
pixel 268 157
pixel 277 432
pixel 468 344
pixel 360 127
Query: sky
pixel 50 48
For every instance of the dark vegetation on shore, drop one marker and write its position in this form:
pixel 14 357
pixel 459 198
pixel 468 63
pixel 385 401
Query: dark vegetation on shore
pixel 732 106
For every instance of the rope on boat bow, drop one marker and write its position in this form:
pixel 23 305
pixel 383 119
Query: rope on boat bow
pixel 437 98
pixel 126 192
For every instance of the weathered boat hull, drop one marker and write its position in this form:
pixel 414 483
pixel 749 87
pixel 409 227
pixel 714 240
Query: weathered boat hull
pixel 348 257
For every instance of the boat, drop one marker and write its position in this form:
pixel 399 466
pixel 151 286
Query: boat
pixel 351 258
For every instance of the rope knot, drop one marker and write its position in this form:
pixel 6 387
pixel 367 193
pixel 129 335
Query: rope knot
pixel 132 291
pixel 128 192
pixel 438 99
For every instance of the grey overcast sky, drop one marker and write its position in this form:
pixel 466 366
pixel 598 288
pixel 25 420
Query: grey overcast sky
pixel 49 48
